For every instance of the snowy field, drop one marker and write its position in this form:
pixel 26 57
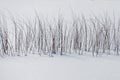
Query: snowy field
pixel 66 67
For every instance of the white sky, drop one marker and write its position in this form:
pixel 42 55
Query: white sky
pixel 53 7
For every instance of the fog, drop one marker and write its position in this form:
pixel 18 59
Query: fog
pixel 55 7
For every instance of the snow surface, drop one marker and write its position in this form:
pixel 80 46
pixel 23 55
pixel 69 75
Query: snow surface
pixel 66 67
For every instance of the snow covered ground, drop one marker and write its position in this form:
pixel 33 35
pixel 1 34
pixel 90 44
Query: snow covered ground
pixel 66 67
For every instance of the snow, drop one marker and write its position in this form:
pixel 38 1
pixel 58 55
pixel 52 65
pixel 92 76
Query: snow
pixel 66 67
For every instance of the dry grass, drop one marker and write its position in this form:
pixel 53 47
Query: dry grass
pixel 98 35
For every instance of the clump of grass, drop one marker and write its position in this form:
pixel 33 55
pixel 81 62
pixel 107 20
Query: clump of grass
pixel 97 35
